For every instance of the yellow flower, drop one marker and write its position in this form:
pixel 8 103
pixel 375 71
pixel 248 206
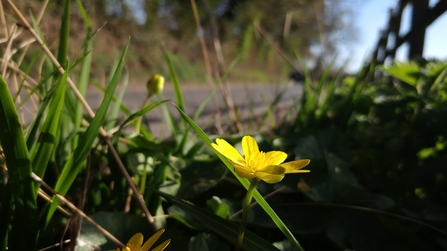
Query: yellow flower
pixel 260 165
pixel 135 242
pixel 155 84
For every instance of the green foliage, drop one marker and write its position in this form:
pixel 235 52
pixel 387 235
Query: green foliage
pixel 374 146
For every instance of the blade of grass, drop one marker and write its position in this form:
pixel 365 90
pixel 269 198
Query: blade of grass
pixel 47 138
pixel 84 73
pixel 211 94
pixel 136 115
pixel 5 214
pixel 244 182
pixel 330 89
pixel 175 82
pixel 123 108
pixel 113 114
pixel 74 164
pixel 24 224
pixel 172 124
pixel 64 34
pixel 202 106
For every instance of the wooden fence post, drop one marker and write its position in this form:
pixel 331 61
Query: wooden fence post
pixel 394 27
pixel 418 26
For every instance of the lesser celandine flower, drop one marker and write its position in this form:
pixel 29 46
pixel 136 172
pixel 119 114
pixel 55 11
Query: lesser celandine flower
pixel 256 165
pixel 135 242
pixel 260 165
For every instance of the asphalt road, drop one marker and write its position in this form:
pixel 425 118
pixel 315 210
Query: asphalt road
pixel 249 100
pixel 244 97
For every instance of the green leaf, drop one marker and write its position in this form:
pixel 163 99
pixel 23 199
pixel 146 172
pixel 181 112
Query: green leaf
pixel 144 143
pixel 184 218
pixel 407 72
pixel 198 177
pixel 207 242
pixel 226 229
pixel 285 245
pixel 218 207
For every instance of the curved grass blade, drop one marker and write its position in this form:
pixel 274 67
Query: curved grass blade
pixel 175 82
pixel 136 115
pixel 174 79
pixel 113 114
pixel 24 212
pixel 258 197
pixel 202 106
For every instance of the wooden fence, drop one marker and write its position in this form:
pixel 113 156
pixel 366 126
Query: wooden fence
pixel 390 40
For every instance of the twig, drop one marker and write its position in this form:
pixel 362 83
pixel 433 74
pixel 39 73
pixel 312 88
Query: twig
pixel 206 59
pixel 3 22
pixel 202 42
pixel 134 188
pixel 74 208
pixel 55 245
pixel 274 46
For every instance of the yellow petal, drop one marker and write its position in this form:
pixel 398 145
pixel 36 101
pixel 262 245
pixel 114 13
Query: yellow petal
pixel 228 151
pixel 272 169
pixel 271 174
pixel 162 246
pixel 257 161
pixel 251 151
pixel 294 166
pixel 269 178
pixel 135 242
pixel 150 242
pixel 244 171
pixel 275 157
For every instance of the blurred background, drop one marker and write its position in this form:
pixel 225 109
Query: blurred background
pixel 310 33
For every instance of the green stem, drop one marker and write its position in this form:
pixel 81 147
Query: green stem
pixel 144 176
pixel 139 119
pixel 245 210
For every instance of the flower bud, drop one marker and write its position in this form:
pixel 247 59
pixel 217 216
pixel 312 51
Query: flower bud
pixel 155 84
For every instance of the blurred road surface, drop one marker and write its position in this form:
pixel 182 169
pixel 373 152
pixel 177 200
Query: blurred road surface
pixel 249 100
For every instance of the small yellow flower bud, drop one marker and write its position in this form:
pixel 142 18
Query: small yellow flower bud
pixel 155 84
